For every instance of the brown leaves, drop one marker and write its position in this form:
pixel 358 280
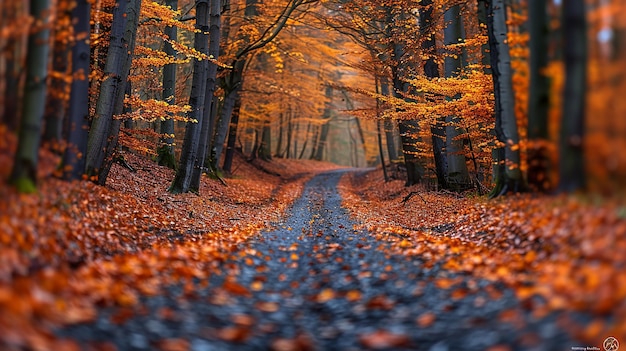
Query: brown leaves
pixel 382 339
pixel 567 250
pixel 76 245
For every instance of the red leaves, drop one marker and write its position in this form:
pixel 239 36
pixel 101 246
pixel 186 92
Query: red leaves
pixel 235 288
pixel 76 246
pixel 382 339
pixel 426 320
pixel 565 249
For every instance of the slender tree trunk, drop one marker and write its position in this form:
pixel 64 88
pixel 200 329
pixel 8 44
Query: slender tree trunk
pixel 409 129
pixel 538 97
pixel 24 173
pixel 431 70
pixel 104 131
pixel 289 131
pixel 165 151
pixel 279 143
pixel 77 124
pixel 211 82
pixel 223 124
pixel 265 148
pixel 380 150
pixel 306 140
pixel 509 176
pixel 189 153
pixel 232 136
pixel 130 33
pixel 321 145
pixel 389 125
pixel 571 163
pixel 457 172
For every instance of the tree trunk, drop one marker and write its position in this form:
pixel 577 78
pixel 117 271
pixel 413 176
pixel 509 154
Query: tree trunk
pixel 321 144
pixel 290 132
pixel 378 131
pixel 508 176
pixel 223 124
pixel 232 136
pixel 538 97
pixel 409 129
pixel 265 149
pixel 392 150
pixel 279 143
pixel 571 163
pixel 77 123
pixel 165 152
pixel 211 81
pixel 24 173
pixel 104 131
pixel 189 153
pixel 130 33
pixel 457 173
pixel 431 70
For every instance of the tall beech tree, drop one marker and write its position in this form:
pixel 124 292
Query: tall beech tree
pixel 165 151
pixel 77 123
pixel 189 153
pixel 104 131
pixel 215 24
pixel 24 173
pixel 571 161
pixel 538 96
pixel 508 175
pixel 456 173
pixel 431 71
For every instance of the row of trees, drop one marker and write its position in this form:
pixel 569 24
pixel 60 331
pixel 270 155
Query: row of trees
pixel 437 65
pixel 455 95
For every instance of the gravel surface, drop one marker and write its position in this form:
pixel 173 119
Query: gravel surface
pixel 315 283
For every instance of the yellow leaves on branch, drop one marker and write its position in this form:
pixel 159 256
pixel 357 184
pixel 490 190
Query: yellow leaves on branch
pixel 164 16
pixel 154 58
pixel 151 109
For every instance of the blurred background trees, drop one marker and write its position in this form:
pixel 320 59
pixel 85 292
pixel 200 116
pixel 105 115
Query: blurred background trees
pixel 481 95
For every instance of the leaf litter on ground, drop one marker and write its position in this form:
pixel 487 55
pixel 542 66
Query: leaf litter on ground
pixel 74 247
pixel 567 250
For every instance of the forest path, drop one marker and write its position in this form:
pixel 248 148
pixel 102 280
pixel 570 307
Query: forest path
pixel 315 283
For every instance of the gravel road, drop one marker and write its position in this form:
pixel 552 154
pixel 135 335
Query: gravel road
pixel 315 283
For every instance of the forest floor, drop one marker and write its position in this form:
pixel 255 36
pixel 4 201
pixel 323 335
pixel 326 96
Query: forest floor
pixel 287 257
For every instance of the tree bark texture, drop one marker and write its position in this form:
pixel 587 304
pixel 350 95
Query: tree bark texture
pixel 538 97
pixel 210 111
pixel 189 153
pixel 104 130
pixel 326 116
pixel 24 173
pixel 165 151
pixel 509 176
pixel 77 123
pixel 571 160
pixel 130 33
pixel 232 136
pixel 457 173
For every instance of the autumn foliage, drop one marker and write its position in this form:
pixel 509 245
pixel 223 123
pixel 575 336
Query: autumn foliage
pixel 558 253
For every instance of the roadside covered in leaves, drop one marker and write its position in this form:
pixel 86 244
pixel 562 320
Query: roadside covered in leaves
pixel 318 282
pixel 75 247
pixel 558 253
